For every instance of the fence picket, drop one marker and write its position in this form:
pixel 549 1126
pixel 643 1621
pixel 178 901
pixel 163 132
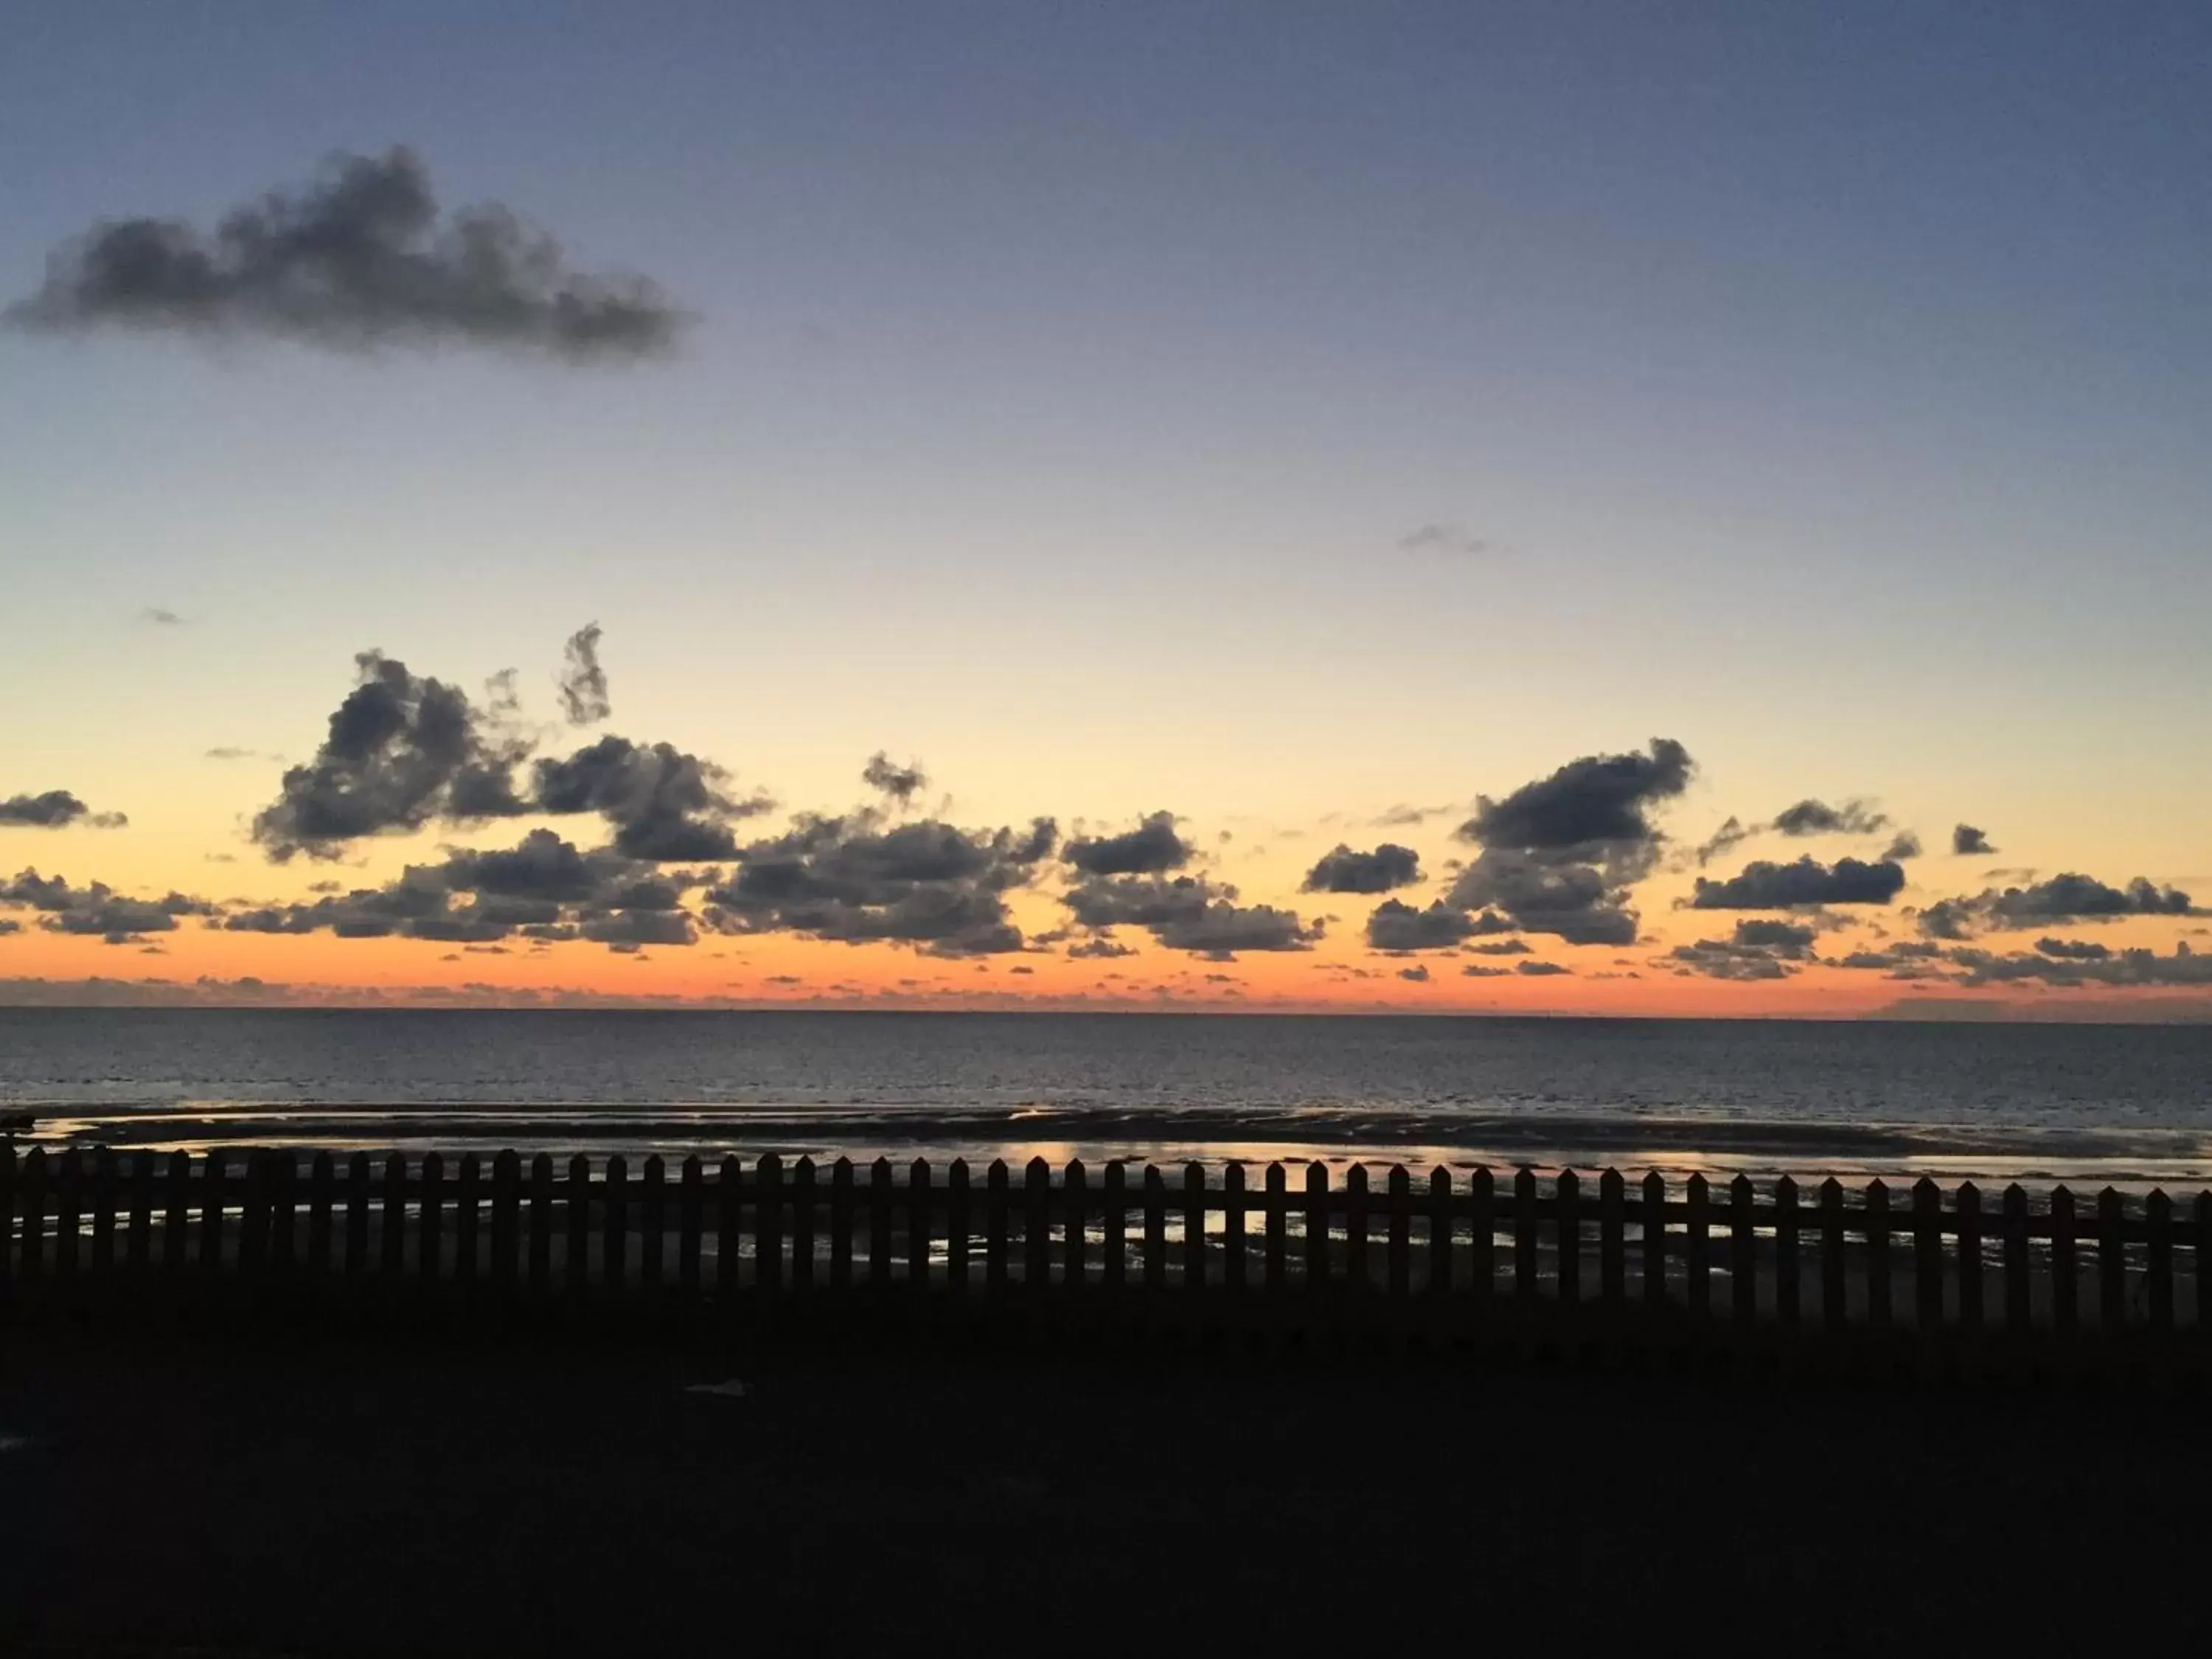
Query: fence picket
pixel 31 1205
pixel 995 1202
pixel 283 1211
pixel 1156 1229
pixel 211 1178
pixel 1525 1233
pixel 841 1224
pixel 176 1225
pixel 1482 1227
pixel 429 1244
pixel 1316 1224
pixel 506 1216
pixel 768 1222
pixel 138 1253
pixel 1786 1287
pixel 956 1224
pixel 802 1223
pixel 690 1223
pixel 1877 1245
pixel 1835 1306
pixel 576 1265
pixel 2065 1282
pixel 730 1231
pixel 1697 1248
pixel 1612 1243
pixel 1114 1224
pixel 2158 1252
pixel 1074 1185
pixel 920 1196
pixel 1743 1252
pixel 9 1189
pixel 1232 1227
pixel 1440 1231
pixel 1968 1203
pixel 322 1187
pixel 652 1222
pixel 541 1225
pixel 391 1237
pixel 614 1224
pixel 1193 1227
pixel 69 1212
pixel 1567 1232
pixel 1398 1252
pixel 1927 1255
pixel 879 1224
pixel 1654 1224
pixel 2018 1311
pixel 2112 1263
pixel 103 1213
pixel 1355 1229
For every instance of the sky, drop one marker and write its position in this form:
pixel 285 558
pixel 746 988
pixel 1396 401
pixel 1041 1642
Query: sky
pixel 1507 443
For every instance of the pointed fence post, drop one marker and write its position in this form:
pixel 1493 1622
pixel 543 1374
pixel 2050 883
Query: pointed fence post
pixel 1278 1230
pixel 1969 1203
pixel 429 1245
pixel 103 1213
pixel 1877 1254
pixel 1567 1229
pixel 541 1225
pixel 1036 1227
pixel 1114 1222
pixel 2158 1274
pixel 176 1224
pixel 506 1218
pixel 1156 1229
pixel 1927 1255
pixel 920 1199
pixel 1399 1251
pixel 212 1175
pixel 467 1198
pixel 841 1219
pixel 1612 1239
pixel 691 1224
pixel 1194 1226
pixel 1835 1293
pixel 1743 1251
pixel 768 1223
pixel 802 1223
pixel 1074 1213
pixel 1525 1233
pixel 1697 1248
pixel 2065 1280
pixel 1787 1289
pixel 879 1224
pixel 614 1225
pixel 361 1196
pixel 31 1202
pixel 68 1213
pixel 576 1265
pixel 957 1227
pixel 392 1235
pixel 1355 1229
pixel 1653 1225
pixel 1440 1231
pixel 1232 1227
pixel 652 1222
pixel 2018 1306
pixel 2111 1263
pixel 729 1232
pixel 994 1227
pixel 138 1251
pixel 1316 1225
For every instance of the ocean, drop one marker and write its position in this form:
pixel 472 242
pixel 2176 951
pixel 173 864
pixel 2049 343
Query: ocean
pixel 2128 1105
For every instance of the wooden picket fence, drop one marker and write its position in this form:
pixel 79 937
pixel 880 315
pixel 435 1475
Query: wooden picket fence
pixel 1455 1251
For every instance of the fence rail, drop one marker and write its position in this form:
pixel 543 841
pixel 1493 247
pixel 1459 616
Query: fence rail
pixel 1463 1248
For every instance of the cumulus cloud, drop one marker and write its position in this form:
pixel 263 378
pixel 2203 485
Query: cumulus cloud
pixel 2120 969
pixel 1341 870
pixel 355 260
pixel 901 783
pixel 583 683
pixel 1508 947
pixel 1904 845
pixel 97 910
pixel 54 809
pixel 664 804
pixel 1154 848
pixel 857 880
pixel 1222 929
pixel 2068 897
pixel 1968 841
pixel 1534 969
pixel 1784 938
pixel 1416 975
pixel 2073 950
pixel 1764 885
pixel 1395 926
pixel 401 750
pixel 1559 854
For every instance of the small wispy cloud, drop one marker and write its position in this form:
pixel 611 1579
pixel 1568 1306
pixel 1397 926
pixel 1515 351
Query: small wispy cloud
pixel 1443 536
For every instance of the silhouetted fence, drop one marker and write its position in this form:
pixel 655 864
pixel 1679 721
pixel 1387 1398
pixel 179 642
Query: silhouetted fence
pixel 1458 1249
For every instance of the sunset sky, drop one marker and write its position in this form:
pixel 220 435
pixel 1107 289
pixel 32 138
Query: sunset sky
pixel 1507 443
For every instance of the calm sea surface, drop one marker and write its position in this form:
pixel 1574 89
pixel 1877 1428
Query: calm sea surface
pixel 2130 1104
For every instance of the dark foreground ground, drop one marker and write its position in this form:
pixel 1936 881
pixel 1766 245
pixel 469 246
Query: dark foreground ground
pixel 401 1497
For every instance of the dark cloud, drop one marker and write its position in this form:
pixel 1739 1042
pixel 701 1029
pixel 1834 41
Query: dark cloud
pixel 97 910
pixel 1904 845
pixel 1600 800
pixel 1187 912
pixel 1721 959
pixel 583 683
pixel 1817 818
pixel 355 260
pixel 1784 938
pixel 2073 950
pixel 1763 885
pixel 1416 975
pixel 1222 929
pixel 10 924
pixel 901 783
pixel 2121 968
pixel 1343 871
pixel 1476 970
pixel 55 809
pixel 1968 841
pixel 1394 924
pixel 228 753
pixel 1540 969
pixel 857 880
pixel 160 616
pixel 401 750
pixel 1510 947
pixel 1582 903
pixel 1559 855
pixel 1101 948
pixel 1442 537
pixel 1152 848
pixel 2068 897
pixel 664 804
pixel 1907 959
